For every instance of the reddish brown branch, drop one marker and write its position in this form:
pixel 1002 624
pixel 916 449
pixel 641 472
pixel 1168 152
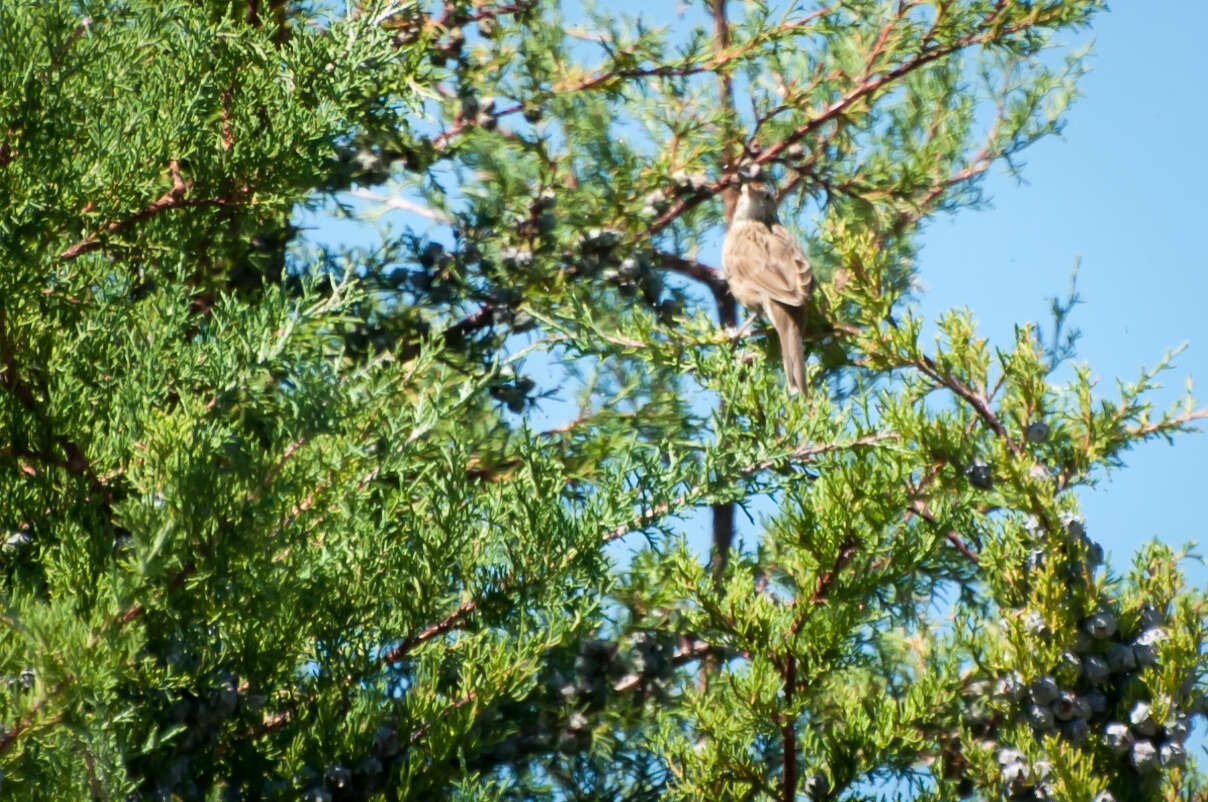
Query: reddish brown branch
pixel 727 310
pixel 228 138
pixel 825 580
pixel 1159 426
pixel 919 507
pixel 866 88
pixel 789 732
pixel 10 737
pixel 873 83
pixel 76 462
pixel 172 199
pixel 711 277
pixel 447 624
pixel 723 57
pixel 974 399
pixel 137 610
pixel 423 730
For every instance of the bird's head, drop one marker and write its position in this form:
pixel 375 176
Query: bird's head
pixel 755 202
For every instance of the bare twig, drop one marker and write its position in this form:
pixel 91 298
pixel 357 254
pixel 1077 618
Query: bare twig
pixel 399 202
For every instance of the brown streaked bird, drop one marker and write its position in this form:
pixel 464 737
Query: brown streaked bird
pixel 769 273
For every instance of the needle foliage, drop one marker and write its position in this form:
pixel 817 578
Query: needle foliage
pixel 306 514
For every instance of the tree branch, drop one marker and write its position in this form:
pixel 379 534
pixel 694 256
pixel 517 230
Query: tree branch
pixel 974 399
pixel 76 461
pixel 788 733
pixel 506 585
pixel 172 199
pixel 711 277
pixel 867 87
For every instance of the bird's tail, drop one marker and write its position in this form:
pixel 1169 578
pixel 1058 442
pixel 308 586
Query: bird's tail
pixel 789 322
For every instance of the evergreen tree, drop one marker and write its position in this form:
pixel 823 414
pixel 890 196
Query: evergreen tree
pixel 278 524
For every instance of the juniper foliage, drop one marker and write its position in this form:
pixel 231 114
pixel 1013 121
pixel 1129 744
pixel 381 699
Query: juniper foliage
pixel 278 521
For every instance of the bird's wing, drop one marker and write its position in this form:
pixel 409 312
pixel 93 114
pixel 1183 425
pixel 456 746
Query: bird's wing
pixel 770 258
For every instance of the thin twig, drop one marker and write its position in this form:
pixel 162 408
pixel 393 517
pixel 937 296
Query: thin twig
pixel 172 199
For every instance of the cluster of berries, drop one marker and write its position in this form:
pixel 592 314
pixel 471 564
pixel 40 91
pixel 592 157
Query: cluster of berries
pixel 1096 693
pixel 339 783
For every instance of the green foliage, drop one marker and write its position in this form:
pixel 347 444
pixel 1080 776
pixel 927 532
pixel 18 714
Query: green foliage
pixel 277 522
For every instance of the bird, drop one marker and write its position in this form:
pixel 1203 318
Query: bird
pixel 769 273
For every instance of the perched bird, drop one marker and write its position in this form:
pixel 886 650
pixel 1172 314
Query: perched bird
pixel 768 272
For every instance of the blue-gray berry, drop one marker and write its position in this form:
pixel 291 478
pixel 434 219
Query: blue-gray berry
pixel 1083 642
pixel 1009 754
pixel 1141 719
pixel 1094 554
pixel 17 541
pixel 1037 431
pixel 1145 655
pixel 1069 667
pixel 1144 756
pixel 1075 526
pixel 602 238
pixel 385 741
pixel 1010 687
pixel 1145 648
pixel 978 474
pixel 1120 658
pixel 1117 737
pixel 1069 706
pixel 1045 690
pixel 1100 625
pixel 1033 623
pixel 1148 617
pixel 1172 753
pixel 1097 702
pixel 1095 669
pixel 1076 730
pixel 1177 727
pixel 1015 776
pixel 225 698
pixel 1065 706
pixel 1041 718
pixel 817 786
pixel 336 776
